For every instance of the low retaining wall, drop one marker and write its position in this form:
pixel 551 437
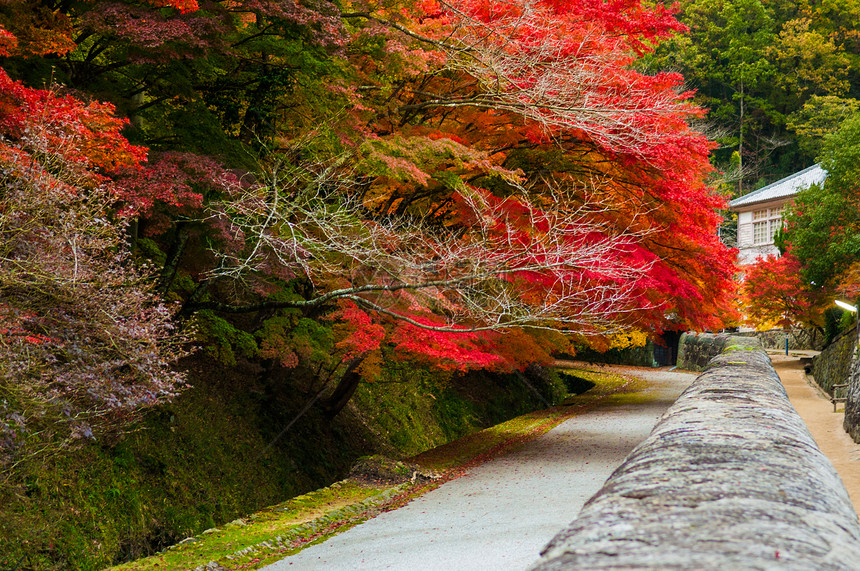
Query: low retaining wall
pixel 695 350
pixel 635 356
pixel 729 478
pixel 798 339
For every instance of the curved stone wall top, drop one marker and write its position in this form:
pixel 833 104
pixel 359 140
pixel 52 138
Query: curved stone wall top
pixel 730 478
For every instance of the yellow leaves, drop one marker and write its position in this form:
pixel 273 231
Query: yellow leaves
pixel 420 167
pixel 809 61
pixel 630 338
pixel 820 116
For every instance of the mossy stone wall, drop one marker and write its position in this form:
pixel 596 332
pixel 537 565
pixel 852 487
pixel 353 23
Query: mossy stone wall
pixel 833 365
pixel 851 422
pixel 635 356
pixel 696 350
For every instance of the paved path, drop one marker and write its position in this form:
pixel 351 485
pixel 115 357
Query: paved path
pixel 502 513
pixel 825 425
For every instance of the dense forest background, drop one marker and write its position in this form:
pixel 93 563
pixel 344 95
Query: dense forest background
pixel 222 218
pixel 776 77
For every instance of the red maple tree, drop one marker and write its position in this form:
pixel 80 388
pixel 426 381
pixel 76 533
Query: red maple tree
pixel 773 293
pixel 490 166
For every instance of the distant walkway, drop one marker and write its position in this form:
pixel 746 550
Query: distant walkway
pixel 824 424
pixel 502 513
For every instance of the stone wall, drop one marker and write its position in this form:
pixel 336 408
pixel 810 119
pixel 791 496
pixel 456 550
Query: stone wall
pixel 661 352
pixel 635 356
pixel 833 365
pixel 852 404
pixel 798 339
pixel 729 478
pixel 696 350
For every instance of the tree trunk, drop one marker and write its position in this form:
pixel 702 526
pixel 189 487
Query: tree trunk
pixel 344 389
pixel 741 146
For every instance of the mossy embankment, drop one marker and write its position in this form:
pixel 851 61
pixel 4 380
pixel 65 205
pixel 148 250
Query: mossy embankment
pixel 218 454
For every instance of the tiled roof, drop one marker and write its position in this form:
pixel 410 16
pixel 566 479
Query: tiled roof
pixel 789 186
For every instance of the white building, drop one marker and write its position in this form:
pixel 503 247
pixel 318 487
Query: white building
pixel 760 213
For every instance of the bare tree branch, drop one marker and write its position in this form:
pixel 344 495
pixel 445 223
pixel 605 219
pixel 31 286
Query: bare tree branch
pixel 507 263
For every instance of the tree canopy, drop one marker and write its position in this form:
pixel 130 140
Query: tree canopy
pixel 774 294
pixel 823 227
pixel 776 77
pixel 315 184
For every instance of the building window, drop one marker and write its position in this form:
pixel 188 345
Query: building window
pixel 760 232
pixel 766 223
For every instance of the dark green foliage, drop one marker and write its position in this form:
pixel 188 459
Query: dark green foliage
pixel 775 77
pixel 223 341
pixel 191 127
pixel 832 324
pixel 824 227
